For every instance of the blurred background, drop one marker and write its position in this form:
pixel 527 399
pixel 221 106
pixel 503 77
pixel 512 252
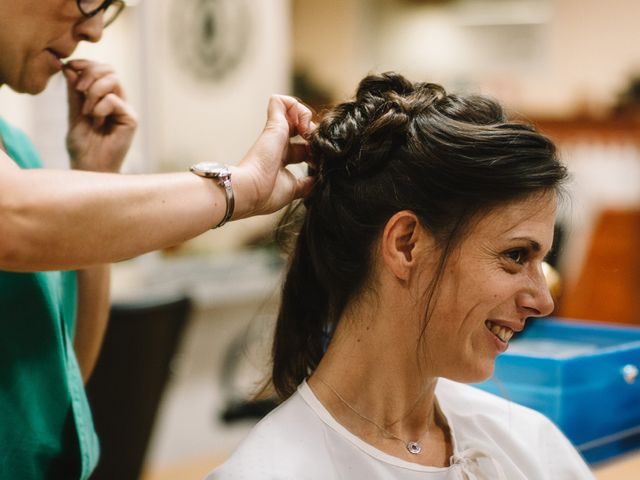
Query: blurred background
pixel 200 72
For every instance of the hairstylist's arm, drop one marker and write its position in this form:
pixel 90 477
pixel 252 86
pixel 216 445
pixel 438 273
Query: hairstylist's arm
pixel 101 128
pixel 92 317
pixel 70 219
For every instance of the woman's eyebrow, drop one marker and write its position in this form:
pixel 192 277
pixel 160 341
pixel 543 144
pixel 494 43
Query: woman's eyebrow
pixel 533 245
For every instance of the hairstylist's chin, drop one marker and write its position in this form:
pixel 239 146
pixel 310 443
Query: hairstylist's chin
pixel 35 77
pixel 32 87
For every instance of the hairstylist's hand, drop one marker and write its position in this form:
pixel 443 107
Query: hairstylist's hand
pixel 101 122
pixel 262 177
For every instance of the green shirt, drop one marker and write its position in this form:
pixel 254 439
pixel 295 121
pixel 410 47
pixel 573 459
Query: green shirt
pixel 46 429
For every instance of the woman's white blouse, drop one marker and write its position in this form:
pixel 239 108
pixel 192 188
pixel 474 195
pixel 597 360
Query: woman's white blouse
pixel 493 439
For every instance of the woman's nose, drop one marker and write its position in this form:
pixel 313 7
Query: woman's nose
pixel 536 300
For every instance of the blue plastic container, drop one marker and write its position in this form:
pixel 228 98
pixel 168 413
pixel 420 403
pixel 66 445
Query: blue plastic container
pixel 583 376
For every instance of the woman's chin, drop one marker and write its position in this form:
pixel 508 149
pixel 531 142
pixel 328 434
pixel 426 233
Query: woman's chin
pixel 476 374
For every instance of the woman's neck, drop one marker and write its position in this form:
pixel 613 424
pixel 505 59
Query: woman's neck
pixel 377 391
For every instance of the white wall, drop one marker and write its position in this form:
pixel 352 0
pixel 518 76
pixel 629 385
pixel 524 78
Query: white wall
pixel 593 49
pixel 195 119
pixel 190 119
pixel 542 57
pixel 15 108
pixel 331 41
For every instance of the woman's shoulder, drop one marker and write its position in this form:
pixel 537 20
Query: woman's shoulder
pixel 519 437
pixel 462 401
pixel 479 413
pixel 281 446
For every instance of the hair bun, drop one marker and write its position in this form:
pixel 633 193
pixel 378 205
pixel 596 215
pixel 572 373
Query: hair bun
pixel 357 138
pixel 382 85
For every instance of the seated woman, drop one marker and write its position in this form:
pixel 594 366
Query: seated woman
pixel 419 256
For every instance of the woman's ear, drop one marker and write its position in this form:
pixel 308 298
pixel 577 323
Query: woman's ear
pixel 400 239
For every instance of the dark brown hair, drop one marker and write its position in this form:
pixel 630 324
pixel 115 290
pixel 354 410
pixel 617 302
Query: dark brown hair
pixel 397 146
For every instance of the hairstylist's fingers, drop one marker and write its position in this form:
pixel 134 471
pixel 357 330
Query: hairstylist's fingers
pixel 90 72
pixel 277 115
pixel 112 107
pixel 299 116
pixel 99 89
pixel 303 187
pixel 297 153
pixel 90 66
pixel 80 64
pixel 287 112
pixel 74 97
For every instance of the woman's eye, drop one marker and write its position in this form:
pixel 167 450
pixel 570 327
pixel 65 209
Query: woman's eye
pixel 518 255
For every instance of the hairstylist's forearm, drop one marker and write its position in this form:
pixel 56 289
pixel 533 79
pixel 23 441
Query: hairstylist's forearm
pixel 93 316
pixel 52 220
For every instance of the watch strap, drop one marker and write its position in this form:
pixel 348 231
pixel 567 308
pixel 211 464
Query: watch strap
pixel 222 176
pixel 225 183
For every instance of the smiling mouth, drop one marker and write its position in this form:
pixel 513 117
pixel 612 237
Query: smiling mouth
pixel 503 333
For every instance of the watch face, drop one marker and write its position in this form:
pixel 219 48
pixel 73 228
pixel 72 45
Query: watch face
pixel 211 169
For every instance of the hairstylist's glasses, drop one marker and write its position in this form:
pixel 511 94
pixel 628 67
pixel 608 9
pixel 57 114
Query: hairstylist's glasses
pixel 111 9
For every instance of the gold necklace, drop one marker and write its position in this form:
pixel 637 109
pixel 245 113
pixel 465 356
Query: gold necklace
pixel 414 447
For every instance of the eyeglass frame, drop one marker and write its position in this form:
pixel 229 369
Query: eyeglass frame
pixel 103 7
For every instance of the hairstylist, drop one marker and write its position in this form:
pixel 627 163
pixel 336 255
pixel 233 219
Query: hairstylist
pixel 54 222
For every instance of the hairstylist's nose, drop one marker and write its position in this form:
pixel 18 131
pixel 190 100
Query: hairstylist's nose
pixel 90 29
pixel 536 301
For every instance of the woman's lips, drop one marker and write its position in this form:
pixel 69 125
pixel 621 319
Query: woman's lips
pixel 504 333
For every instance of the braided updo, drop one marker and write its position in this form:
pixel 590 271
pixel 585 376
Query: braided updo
pixel 397 146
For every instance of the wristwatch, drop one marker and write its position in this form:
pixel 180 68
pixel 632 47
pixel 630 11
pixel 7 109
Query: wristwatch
pixel 222 175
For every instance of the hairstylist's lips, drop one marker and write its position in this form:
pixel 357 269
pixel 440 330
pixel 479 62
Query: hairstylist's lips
pixel 60 54
pixel 56 58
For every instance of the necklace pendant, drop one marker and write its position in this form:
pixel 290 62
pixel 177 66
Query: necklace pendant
pixel 414 448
